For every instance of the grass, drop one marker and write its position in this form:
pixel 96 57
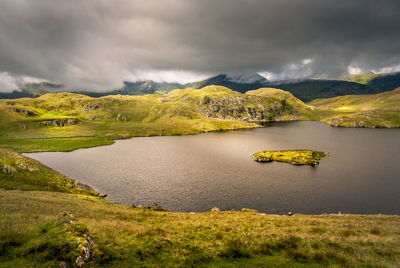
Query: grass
pixel 294 157
pixel 127 236
pixel 54 145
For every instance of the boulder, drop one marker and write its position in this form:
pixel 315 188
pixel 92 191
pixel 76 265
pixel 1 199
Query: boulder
pixel 155 207
pixel 31 169
pixel 215 209
pixel 83 186
pixel 9 170
pixel 21 165
pixel 249 210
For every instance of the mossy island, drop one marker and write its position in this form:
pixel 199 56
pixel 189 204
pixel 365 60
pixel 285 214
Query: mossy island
pixel 294 157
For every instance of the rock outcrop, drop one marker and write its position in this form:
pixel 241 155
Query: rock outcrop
pixel 60 122
pixel 80 233
pixel 240 108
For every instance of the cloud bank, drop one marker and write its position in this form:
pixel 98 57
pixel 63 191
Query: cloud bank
pixel 95 45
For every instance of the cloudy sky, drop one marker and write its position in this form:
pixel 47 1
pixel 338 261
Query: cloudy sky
pixel 97 44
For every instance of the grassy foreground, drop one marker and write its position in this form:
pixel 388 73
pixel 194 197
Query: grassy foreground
pixel 34 232
pixel 294 157
pixel 126 236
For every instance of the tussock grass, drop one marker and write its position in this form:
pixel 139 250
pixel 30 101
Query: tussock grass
pixel 127 236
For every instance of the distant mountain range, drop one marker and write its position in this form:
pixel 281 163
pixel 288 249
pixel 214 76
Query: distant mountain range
pixel 306 90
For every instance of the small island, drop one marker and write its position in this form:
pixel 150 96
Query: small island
pixel 294 157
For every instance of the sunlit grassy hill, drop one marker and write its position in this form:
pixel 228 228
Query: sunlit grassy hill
pixel 379 110
pixel 184 111
pixel 81 121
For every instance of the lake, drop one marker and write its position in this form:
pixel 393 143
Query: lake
pixel 198 172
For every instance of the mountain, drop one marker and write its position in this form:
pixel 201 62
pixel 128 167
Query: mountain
pixel 362 78
pixel 239 83
pixel 308 90
pixel 305 90
pixel 137 88
pixel 385 82
pixel 32 90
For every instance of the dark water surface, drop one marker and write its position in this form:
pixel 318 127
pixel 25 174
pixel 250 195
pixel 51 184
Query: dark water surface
pixel 198 172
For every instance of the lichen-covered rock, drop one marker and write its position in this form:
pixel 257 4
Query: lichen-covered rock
pixel 153 206
pixel 80 233
pixel 249 210
pixel 60 122
pixel 83 186
pixel 21 165
pixel 9 170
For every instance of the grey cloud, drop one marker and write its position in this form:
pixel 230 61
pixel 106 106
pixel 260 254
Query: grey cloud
pixel 94 44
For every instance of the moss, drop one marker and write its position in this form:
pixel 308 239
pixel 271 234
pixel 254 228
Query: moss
pixel 295 157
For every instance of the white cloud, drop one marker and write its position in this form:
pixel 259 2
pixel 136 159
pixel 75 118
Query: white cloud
pixel 10 82
pixel 7 82
pixel 171 76
pixel 307 61
pixel 390 69
pixel 354 69
pixel 295 70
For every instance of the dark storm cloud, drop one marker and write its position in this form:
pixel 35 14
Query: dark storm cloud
pixel 95 44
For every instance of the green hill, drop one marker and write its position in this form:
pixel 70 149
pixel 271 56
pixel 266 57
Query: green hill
pixel 379 110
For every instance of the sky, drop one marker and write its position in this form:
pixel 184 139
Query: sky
pixel 96 45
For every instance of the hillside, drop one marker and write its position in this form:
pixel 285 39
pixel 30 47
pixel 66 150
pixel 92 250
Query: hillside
pixel 385 82
pixel 94 121
pixel 362 78
pixel 48 222
pixel 308 90
pixel 379 110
